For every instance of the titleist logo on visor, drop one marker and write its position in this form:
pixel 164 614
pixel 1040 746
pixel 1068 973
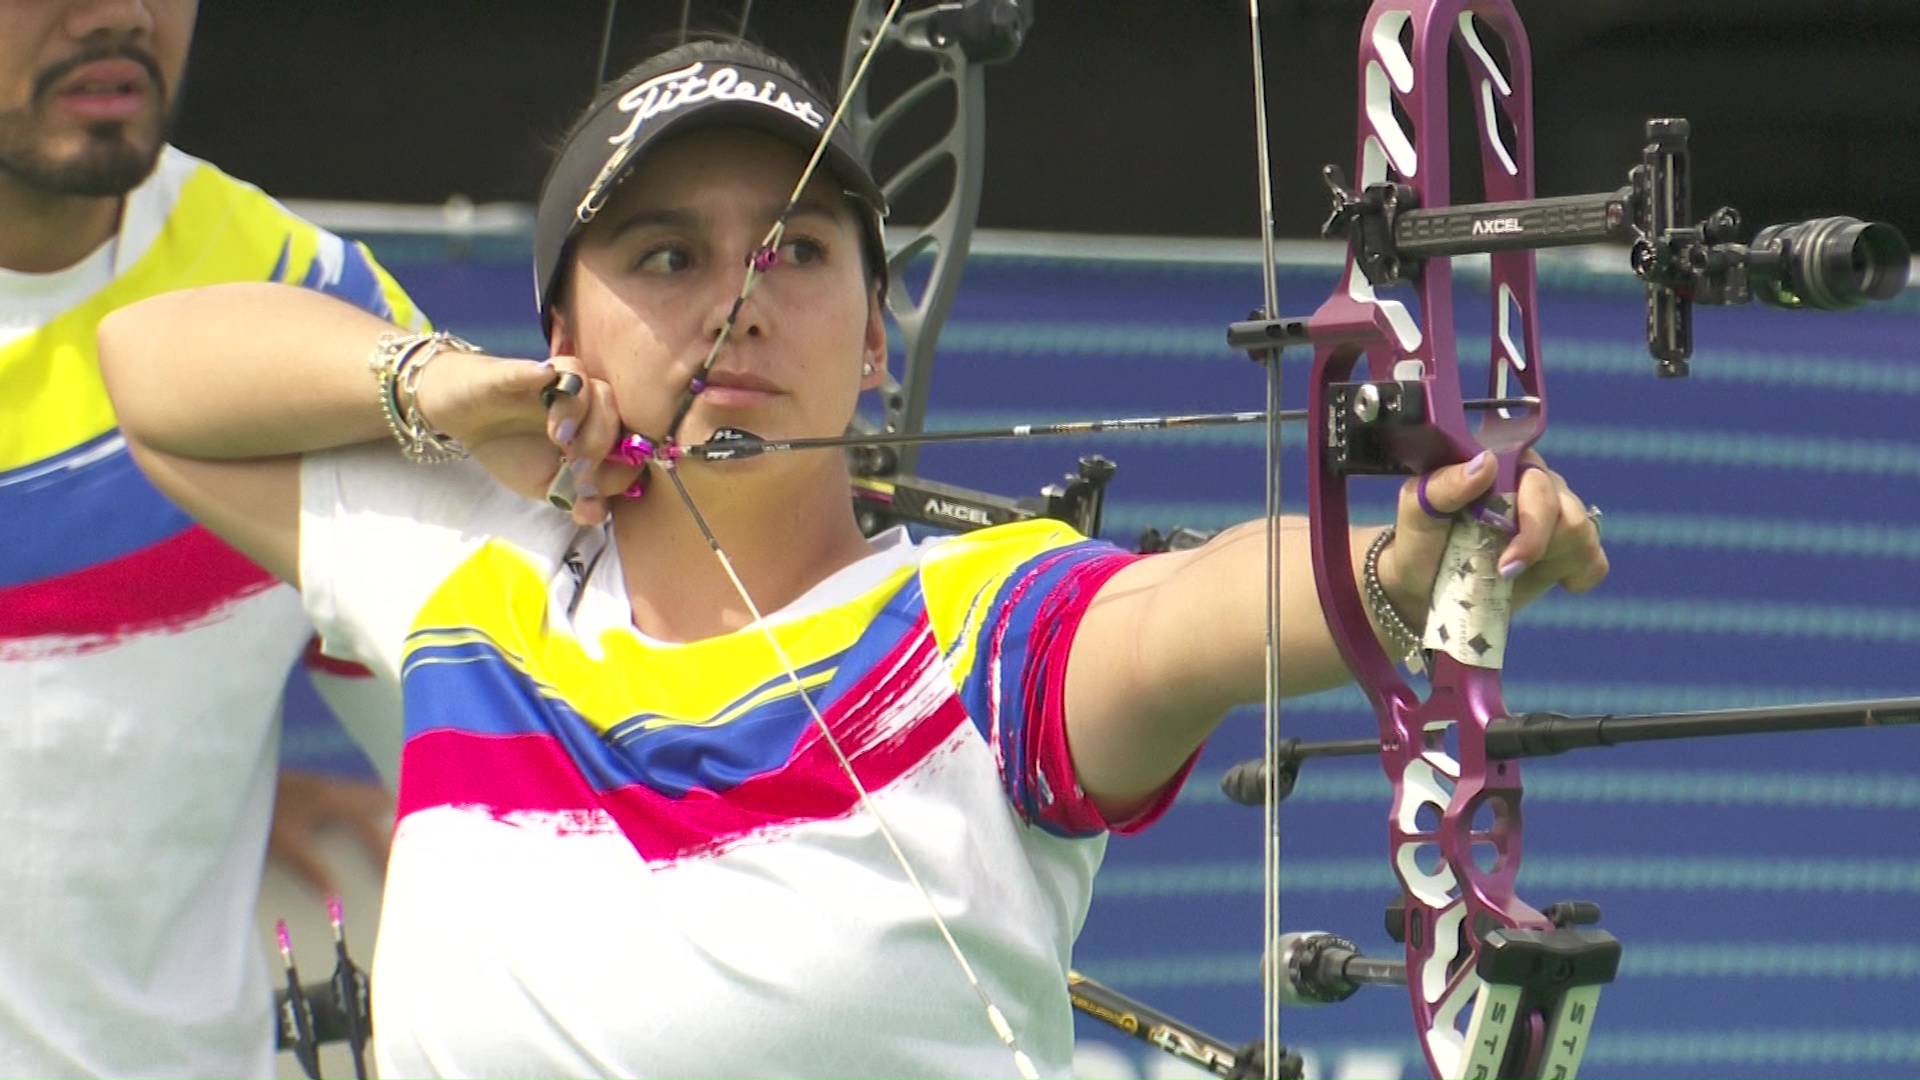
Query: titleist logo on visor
pixel 675 90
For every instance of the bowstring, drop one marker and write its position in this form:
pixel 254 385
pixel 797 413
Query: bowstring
pixel 1271 972
pixel 606 45
pixel 762 260
pixel 994 1015
pixel 767 254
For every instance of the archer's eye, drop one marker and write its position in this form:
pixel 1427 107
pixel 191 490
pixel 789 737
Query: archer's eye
pixel 664 259
pixel 802 251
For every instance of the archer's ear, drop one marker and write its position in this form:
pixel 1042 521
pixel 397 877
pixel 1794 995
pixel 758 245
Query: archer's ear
pixel 873 350
pixel 560 336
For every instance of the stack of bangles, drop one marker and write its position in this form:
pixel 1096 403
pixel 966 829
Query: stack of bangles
pixel 396 363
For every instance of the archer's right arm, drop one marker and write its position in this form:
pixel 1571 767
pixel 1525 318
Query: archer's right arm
pixel 218 391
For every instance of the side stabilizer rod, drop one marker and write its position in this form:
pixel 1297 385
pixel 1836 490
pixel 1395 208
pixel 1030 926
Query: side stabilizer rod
pixel 1542 734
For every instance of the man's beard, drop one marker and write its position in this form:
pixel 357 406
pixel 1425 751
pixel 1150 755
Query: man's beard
pixel 111 162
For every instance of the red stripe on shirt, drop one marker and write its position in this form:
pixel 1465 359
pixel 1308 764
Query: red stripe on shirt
pixel 178 582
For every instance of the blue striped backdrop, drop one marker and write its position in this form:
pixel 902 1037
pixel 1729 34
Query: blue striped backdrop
pixel 1761 521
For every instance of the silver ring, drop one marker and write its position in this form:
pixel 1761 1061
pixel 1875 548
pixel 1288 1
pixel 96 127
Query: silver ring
pixel 565 384
pixel 1594 515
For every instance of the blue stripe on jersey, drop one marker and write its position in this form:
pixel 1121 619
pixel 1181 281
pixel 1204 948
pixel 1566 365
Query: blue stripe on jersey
pixel 891 627
pixel 354 280
pixel 1020 630
pixel 84 507
pixel 472 687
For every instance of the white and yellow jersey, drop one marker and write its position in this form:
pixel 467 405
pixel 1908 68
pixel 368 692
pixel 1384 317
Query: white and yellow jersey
pixel 141 664
pixel 623 856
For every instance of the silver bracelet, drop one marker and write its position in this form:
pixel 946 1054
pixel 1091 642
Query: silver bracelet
pixel 396 363
pixel 1400 637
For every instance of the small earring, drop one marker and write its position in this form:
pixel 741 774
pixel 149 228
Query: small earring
pixel 866 367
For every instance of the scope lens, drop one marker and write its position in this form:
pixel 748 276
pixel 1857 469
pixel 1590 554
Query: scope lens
pixel 1831 263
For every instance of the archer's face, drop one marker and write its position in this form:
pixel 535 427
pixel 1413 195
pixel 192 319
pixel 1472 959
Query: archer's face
pixel 659 268
pixel 84 90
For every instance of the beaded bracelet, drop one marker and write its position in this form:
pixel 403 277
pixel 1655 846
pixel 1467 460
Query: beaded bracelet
pixel 396 363
pixel 1400 636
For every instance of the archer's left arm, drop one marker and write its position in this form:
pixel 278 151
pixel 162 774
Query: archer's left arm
pixel 1172 642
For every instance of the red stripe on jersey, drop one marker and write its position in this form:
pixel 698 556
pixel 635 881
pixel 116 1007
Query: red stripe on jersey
pixel 178 582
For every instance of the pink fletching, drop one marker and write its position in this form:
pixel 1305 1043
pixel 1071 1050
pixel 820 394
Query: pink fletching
pixel 333 908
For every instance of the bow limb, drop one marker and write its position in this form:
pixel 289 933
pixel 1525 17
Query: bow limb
pixel 960 40
pixel 1455 824
pixel 955 41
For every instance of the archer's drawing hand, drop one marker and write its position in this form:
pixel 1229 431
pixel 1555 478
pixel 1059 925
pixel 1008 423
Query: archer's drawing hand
pixel 525 420
pixel 1556 541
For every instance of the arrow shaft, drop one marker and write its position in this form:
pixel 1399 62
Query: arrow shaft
pixel 736 448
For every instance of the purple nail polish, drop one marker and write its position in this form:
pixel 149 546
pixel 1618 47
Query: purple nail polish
pixel 1513 569
pixel 564 431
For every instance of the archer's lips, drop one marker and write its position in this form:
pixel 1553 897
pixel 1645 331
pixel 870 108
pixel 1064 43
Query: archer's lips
pixel 111 89
pixel 738 389
pixel 741 380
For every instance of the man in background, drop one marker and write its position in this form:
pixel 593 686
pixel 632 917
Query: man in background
pixel 141 660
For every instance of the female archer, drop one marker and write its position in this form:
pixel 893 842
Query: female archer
pixel 668 813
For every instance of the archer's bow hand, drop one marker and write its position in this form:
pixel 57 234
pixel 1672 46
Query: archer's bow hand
pixel 1555 535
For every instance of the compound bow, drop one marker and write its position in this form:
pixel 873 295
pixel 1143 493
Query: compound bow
pixel 1497 987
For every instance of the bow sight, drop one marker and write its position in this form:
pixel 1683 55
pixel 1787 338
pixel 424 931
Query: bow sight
pixel 1827 264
